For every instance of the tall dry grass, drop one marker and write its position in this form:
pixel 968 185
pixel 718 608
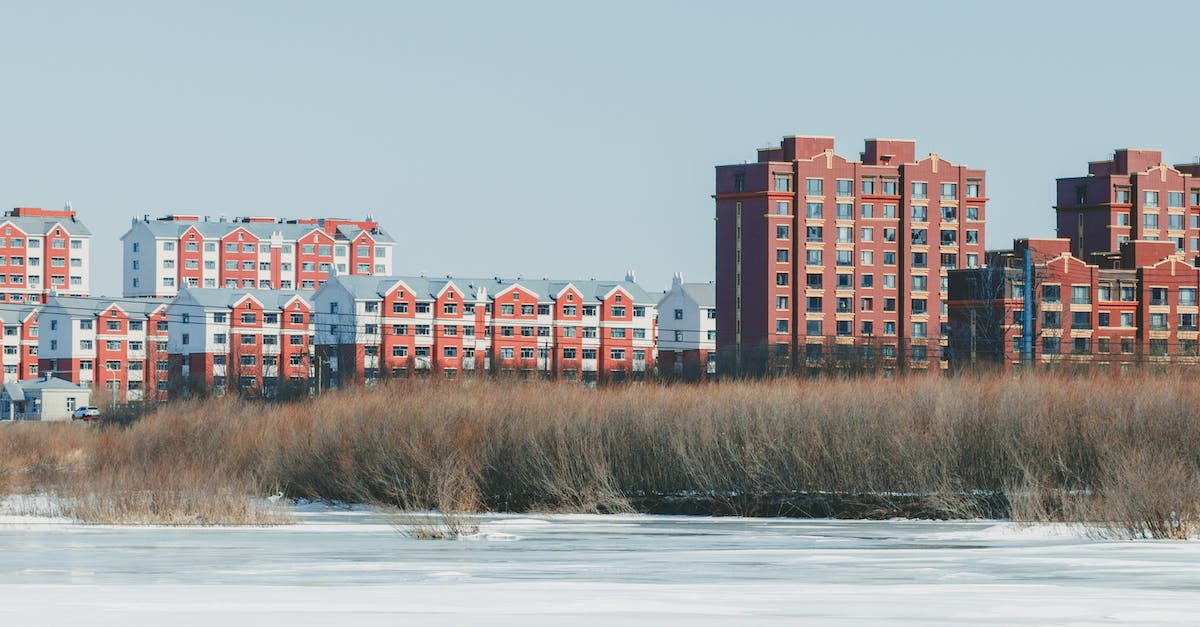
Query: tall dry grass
pixel 1122 454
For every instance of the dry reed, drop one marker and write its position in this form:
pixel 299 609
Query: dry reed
pixel 1119 453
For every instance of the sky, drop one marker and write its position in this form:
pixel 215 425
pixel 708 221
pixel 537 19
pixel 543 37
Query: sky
pixel 561 139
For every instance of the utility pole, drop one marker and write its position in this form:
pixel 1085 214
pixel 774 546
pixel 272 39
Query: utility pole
pixel 1027 314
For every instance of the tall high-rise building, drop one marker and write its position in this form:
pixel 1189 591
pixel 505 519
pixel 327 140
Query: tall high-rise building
pixel 1133 196
pixel 823 261
pixel 165 254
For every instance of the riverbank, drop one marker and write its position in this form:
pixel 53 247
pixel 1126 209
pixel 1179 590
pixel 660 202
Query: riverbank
pixel 1120 453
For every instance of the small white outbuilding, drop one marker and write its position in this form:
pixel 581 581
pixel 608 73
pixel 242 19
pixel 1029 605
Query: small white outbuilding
pixel 44 398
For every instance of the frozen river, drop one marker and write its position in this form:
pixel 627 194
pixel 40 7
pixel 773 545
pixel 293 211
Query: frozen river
pixel 351 567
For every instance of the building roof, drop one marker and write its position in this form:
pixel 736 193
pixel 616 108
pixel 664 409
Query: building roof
pixel 19 391
pixel 287 230
pixel 94 305
pixel 219 297
pixel 545 289
pixel 705 294
pixel 42 224
pixel 14 313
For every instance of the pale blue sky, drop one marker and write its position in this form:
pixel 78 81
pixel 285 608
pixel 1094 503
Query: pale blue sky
pixel 566 139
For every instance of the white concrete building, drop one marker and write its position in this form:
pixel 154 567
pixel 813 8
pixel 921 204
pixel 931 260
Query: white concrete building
pixel 46 398
pixel 687 329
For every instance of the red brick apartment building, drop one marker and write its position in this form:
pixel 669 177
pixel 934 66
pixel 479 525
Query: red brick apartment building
pixel 166 254
pixel 580 330
pixel 43 250
pixel 823 258
pixel 1135 306
pixel 1133 196
pixel 257 342
pixel 115 345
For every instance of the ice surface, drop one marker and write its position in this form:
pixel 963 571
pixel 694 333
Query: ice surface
pixel 349 566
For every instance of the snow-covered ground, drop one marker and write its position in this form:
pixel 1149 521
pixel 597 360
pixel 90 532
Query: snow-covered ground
pixel 351 567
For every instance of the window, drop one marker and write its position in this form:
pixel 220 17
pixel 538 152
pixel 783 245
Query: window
pixel 845 211
pixel 781 231
pixel 1051 346
pixel 813 234
pixel 1081 320
pixel 1150 199
pixel 845 187
pixel 920 190
pixel 949 191
pixel 919 237
pixel 920 213
pixel 1158 322
pixel 868 187
pixel 845 257
pixel 919 329
pixel 972 212
pixel 845 281
pixel 1081 294
pixel 845 235
pixel 867 234
pixel 813 304
pixel 868 210
pixel 813 187
pixel 1175 221
pixel 889 211
pixel 1187 322
pixel 812 327
pixel 1187 296
pixel 813 257
pixel 1158 296
pixel 781 255
pixel 972 237
pixel 783 184
pixel 889 235
pixel 920 260
pixel 781 278
pixel 1104 319
pixel 781 326
pixel 1127 319
pixel 814 210
pixel 781 207
pixel 920 283
pixel 867 280
pixel 814 281
pixel 1150 220
pixel 781 303
pixel 1050 294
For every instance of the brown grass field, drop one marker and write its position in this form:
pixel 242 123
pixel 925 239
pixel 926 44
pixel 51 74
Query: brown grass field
pixel 1120 454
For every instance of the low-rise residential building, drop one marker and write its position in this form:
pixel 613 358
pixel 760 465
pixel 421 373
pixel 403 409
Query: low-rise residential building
pixel 687 330
pixel 255 342
pixel 19 341
pixel 163 255
pixel 111 343
pixel 1115 311
pixel 45 398
pixel 43 250
pixel 373 327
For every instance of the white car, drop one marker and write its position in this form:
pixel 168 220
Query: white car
pixel 87 412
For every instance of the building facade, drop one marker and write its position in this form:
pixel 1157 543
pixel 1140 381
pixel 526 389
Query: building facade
pixel 19 341
pixel 380 327
pixel 824 260
pixel 163 255
pixel 1121 310
pixel 43 250
pixel 254 342
pixel 117 346
pixel 1133 196
pixel 687 330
